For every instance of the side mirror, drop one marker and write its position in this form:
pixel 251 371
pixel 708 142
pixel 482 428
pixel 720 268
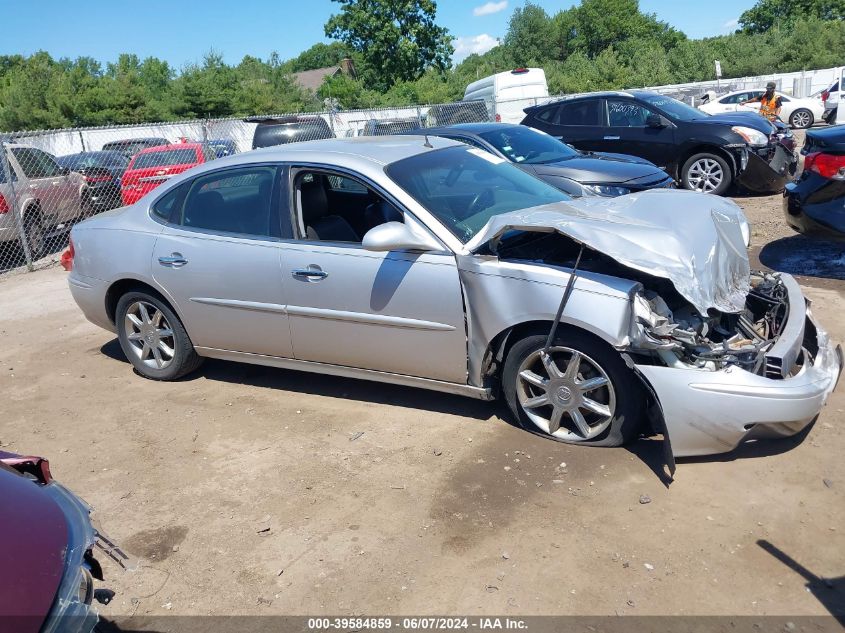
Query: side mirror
pixel 398 236
pixel 656 121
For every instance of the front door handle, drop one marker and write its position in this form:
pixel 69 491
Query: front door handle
pixel 611 138
pixel 310 273
pixel 175 260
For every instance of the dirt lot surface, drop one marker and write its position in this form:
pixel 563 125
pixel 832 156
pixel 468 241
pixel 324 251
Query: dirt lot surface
pixel 246 490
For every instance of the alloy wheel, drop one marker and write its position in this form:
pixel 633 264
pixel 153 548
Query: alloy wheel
pixel 565 393
pixel 801 119
pixel 149 335
pixel 705 175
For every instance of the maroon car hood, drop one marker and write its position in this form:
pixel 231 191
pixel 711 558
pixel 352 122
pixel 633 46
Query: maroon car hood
pixel 33 539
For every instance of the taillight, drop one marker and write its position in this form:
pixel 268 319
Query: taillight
pixel 67 257
pixel 4 206
pixel 826 165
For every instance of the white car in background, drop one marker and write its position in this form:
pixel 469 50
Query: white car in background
pixel 799 113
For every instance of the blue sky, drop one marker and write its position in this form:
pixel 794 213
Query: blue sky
pixel 180 31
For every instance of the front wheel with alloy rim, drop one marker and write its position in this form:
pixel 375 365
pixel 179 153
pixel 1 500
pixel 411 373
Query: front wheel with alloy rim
pixel 580 392
pixel 706 173
pixel 801 119
pixel 153 338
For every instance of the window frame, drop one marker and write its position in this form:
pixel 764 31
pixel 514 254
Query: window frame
pixel 276 197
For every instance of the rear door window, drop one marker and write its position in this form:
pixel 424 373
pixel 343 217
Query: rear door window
pixel 584 113
pixel 232 201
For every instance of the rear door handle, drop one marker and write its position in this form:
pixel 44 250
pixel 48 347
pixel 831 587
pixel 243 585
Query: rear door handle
pixel 175 260
pixel 309 273
pixel 611 138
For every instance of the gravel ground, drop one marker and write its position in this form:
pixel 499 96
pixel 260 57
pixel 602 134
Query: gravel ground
pixel 248 490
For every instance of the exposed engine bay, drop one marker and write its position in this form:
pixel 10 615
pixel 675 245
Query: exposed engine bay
pixel 682 337
pixel 665 328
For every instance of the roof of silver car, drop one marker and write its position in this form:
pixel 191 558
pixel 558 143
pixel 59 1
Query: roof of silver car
pixel 379 149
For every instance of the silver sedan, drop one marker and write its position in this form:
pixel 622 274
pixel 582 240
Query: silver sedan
pixel 425 262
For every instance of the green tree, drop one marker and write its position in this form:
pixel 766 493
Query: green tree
pixel 397 39
pixel 531 35
pixel 319 56
pixel 767 14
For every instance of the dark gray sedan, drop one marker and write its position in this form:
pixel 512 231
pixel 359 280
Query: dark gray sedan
pixel 562 166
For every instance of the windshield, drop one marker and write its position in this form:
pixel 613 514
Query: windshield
pixel 164 158
pixel 464 187
pixel 673 108
pixel 526 145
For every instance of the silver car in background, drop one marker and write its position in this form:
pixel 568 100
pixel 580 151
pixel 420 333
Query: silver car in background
pixel 425 262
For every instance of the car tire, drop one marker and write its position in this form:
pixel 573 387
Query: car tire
pixel 602 403
pixel 801 119
pixel 708 173
pixel 33 227
pixel 153 338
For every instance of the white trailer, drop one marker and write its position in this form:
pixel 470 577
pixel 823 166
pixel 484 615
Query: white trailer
pixel 507 94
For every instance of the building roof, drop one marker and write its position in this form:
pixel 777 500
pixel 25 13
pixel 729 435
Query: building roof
pixel 313 79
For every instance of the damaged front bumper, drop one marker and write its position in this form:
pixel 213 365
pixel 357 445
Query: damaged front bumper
pixel 766 172
pixel 707 412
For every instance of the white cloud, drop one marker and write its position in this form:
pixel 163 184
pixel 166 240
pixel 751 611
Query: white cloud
pixel 489 8
pixel 465 46
pixel 730 25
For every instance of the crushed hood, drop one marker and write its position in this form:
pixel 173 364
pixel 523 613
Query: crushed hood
pixel 694 240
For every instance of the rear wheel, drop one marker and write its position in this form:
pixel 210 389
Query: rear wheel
pixel 34 234
pixel 707 173
pixel 801 119
pixel 153 338
pixel 581 392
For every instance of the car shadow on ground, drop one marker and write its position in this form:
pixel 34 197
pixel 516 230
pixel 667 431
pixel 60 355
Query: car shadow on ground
pixel 648 449
pixel 805 256
pixel 333 387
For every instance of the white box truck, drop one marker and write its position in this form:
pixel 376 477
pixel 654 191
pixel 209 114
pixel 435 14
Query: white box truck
pixel 507 94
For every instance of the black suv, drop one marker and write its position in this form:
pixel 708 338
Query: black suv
pixel 272 131
pixel 703 152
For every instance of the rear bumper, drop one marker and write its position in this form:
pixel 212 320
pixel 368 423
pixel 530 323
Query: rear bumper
pixel 816 206
pixel 710 412
pixel 90 295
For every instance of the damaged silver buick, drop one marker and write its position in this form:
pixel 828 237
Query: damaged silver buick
pixel 425 262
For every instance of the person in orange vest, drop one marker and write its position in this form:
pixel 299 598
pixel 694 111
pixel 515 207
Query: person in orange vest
pixel 770 103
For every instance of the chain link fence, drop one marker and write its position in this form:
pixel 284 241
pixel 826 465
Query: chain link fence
pixel 50 180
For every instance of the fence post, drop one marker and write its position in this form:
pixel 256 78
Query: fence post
pixel 6 170
pixel 419 117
